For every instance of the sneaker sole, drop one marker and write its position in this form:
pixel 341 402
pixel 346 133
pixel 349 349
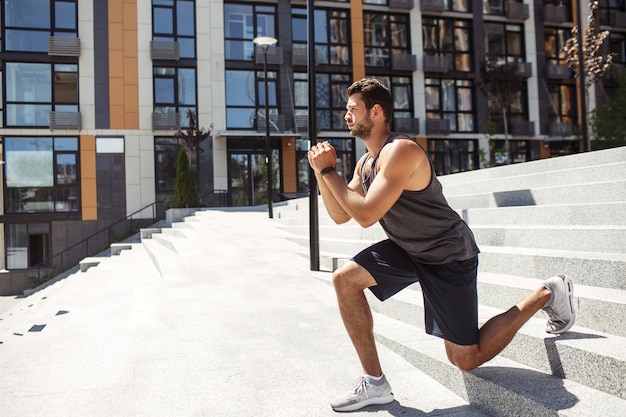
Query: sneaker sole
pixel 370 401
pixel 569 293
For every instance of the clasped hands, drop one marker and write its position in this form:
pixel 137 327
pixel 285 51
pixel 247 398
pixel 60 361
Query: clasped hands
pixel 322 155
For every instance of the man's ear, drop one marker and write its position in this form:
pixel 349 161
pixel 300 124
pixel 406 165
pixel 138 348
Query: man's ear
pixel 378 110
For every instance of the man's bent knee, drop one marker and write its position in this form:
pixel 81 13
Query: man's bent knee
pixel 352 276
pixel 466 358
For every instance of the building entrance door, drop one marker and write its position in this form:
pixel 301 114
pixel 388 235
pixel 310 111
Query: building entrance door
pixel 248 178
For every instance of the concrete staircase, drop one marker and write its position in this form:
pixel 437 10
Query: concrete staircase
pixel 531 221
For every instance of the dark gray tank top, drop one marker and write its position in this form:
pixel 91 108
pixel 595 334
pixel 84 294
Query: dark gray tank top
pixel 422 222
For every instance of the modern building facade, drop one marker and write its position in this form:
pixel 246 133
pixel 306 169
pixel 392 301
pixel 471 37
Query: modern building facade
pixel 94 91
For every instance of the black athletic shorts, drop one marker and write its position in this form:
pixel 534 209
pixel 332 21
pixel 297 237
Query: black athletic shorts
pixel 450 300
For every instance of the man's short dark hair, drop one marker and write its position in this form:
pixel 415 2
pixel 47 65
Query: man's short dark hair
pixel 373 91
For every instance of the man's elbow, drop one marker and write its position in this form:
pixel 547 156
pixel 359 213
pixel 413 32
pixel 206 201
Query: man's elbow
pixel 366 221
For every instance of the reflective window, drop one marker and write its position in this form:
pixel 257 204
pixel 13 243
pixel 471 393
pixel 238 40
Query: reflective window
pixel 242 23
pixel 450 156
pixel 505 42
pixel 402 93
pixel 563 104
pixel 175 21
pixel 175 91
pixel 41 174
pixel 331 100
pixel 166 158
pixel 28 32
pixel 385 34
pixel 607 10
pixel 245 98
pixel 451 39
pixel 331 37
pixel 554 41
pixel 451 100
pixel 31 93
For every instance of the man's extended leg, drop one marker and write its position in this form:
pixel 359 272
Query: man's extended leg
pixel 497 332
pixel 350 281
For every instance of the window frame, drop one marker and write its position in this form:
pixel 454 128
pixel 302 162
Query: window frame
pixel 40 108
pixel 50 30
pixel 451 114
pixel 440 47
pixel 57 189
pixel 258 106
pixel 250 30
pixel 386 44
pixel 175 106
pixel 177 33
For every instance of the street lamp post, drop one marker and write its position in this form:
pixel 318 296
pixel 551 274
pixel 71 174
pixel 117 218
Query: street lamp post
pixel 265 42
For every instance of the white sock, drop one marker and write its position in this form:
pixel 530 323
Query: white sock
pixel 375 378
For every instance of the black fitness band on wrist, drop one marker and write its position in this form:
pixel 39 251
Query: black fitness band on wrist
pixel 326 170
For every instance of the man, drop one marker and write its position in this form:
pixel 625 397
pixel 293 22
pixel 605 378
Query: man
pixel 394 183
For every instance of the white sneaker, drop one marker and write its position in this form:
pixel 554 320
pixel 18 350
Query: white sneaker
pixel 560 308
pixel 365 391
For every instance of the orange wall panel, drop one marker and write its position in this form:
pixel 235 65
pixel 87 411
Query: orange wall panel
pixel 123 65
pixel 358 44
pixel 290 184
pixel 88 185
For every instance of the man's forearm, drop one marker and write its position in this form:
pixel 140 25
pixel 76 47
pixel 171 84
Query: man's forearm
pixel 334 209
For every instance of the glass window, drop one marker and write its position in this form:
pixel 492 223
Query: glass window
pixel 16 241
pixel 65 15
pixel 175 91
pixel 451 100
pixel 331 100
pixel 495 7
pixel 166 155
pixel 455 155
pixel 331 37
pixel 242 23
pixel 245 98
pixel 175 21
pixel 563 104
pixel 31 94
pixel 385 34
pixel 505 42
pixel 41 174
pixel 607 10
pixel 555 39
pixel 28 32
pixel 449 38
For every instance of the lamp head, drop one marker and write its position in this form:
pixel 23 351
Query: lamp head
pixel 264 42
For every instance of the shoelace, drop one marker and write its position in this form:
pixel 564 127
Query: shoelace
pixel 360 385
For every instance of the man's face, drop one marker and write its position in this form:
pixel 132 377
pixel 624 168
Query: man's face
pixel 358 117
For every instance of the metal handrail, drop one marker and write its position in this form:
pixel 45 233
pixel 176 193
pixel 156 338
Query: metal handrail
pixel 50 262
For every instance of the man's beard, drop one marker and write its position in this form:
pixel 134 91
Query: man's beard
pixel 363 129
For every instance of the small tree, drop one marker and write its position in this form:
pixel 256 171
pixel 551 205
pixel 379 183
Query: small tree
pixel 501 83
pixel 607 122
pixel 595 65
pixel 186 194
pixel 192 135
pixel 186 191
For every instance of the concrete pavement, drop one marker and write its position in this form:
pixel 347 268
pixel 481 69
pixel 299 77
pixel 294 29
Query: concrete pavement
pixel 236 325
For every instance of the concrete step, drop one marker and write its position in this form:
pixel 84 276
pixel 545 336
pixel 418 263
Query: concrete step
pixel 605 191
pixel 605 270
pixel 602 157
pixel 574 176
pixel 595 238
pixel 590 214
